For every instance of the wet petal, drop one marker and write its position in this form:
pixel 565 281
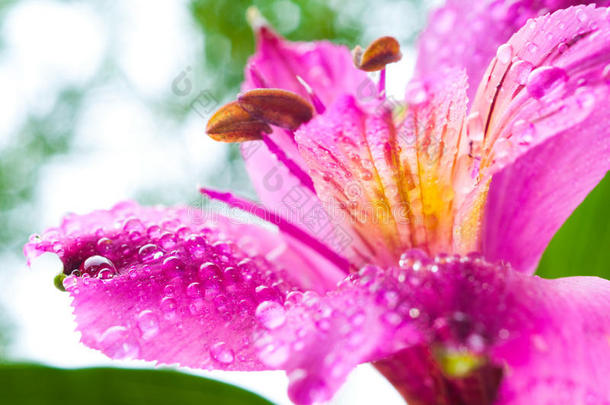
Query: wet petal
pixel 483 27
pixel 546 132
pixel 327 68
pixel 388 174
pixel 496 333
pixel 279 174
pixel 542 341
pixel 170 285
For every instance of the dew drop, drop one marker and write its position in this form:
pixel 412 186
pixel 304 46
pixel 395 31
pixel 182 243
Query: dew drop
pixel 544 79
pixel 474 127
pixel 113 335
pixel 134 225
pixel 148 252
pixel 148 324
pixel 532 47
pixel 167 241
pixel 193 290
pixel 413 257
pixel 521 70
pixel 505 53
pixel 222 353
pixel 606 73
pixel 271 314
pixel 172 264
pixel 93 265
pixel 70 282
pixel 104 246
pixel 168 305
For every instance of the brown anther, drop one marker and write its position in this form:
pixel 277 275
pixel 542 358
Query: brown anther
pixel 377 55
pixel 277 107
pixel 231 123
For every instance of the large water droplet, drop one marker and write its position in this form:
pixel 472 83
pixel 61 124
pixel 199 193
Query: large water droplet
pixel 222 353
pixel 271 314
pixel 544 79
pixel 474 127
pixel 148 324
pixel 149 252
pixel 504 53
pixel 95 265
pixel 521 71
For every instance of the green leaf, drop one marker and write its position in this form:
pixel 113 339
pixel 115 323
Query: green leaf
pixel 581 247
pixel 26 384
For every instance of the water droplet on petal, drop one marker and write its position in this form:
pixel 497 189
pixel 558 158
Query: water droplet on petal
pixel 168 305
pixel 521 71
pixel 271 314
pixel 95 264
pixel 532 47
pixel 70 282
pixel 193 290
pixel 222 353
pixel 606 73
pixel 149 252
pixel 544 79
pixel 504 53
pixel 148 324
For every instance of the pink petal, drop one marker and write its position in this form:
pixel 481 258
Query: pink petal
pixel 327 68
pixel 538 341
pixel 547 140
pixel 390 177
pixel 329 71
pixel 283 193
pixel 176 286
pixel 482 26
pixel 543 341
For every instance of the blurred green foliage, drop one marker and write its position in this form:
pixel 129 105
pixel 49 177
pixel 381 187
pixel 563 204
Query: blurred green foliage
pixel 105 386
pixel 229 40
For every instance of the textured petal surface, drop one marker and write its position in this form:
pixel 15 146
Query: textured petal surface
pixel 483 26
pixel 545 130
pixel 450 330
pixel 167 284
pixel 543 341
pixel 388 173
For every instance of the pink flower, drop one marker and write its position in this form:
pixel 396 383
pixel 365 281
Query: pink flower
pixel 397 194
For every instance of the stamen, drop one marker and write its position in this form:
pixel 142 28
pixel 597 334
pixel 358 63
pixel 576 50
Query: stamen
pixel 277 107
pixel 294 168
pixel 315 100
pixel 231 123
pixel 284 225
pixel 377 55
pixel 381 84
